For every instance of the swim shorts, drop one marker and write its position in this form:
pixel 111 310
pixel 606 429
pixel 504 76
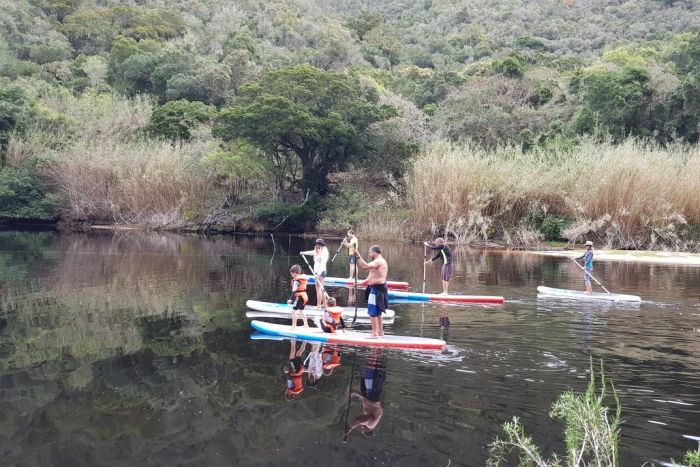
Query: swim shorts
pixel 352 259
pixel 446 271
pixel 377 296
pixel 298 304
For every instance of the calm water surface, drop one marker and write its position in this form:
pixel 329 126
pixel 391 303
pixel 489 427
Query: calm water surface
pixel 133 349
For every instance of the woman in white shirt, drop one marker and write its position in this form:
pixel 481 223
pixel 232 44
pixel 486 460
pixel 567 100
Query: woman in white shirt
pixel 320 254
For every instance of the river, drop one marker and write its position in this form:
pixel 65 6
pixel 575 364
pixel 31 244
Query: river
pixel 132 348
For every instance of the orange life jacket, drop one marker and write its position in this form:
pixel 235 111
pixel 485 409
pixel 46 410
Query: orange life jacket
pixel 294 381
pixel 331 358
pixel 301 290
pixel 332 316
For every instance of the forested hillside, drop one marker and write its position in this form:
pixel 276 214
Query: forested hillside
pixel 303 115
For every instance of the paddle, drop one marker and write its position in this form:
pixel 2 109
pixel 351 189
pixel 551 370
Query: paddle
pixel 590 275
pixel 425 258
pixel 352 374
pixel 318 281
pixel 337 251
pixel 354 318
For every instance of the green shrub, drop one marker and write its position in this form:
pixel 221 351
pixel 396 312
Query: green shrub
pixel 344 210
pixel 278 215
pixel 174 120
pixel 552 227
pixel 513 66
pixel 22 197
pixel 692 458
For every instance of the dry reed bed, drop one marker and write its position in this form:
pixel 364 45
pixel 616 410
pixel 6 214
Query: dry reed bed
pixel 105 169
pixel 630 195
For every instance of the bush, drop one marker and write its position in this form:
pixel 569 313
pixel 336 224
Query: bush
pixel 22 197
pixel 292 217
pixel 553 226
pixel 174 120
pixel 344 210
pixel 512 66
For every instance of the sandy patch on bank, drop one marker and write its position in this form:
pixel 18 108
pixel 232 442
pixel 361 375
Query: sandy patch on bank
pixel 661 257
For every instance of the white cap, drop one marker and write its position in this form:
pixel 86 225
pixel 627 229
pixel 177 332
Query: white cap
pixel 588 243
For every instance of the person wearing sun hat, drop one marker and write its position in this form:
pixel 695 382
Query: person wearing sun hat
pixel 320 254
pixel 587 258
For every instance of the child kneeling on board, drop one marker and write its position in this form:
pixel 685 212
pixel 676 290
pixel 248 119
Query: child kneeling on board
pixel 332 319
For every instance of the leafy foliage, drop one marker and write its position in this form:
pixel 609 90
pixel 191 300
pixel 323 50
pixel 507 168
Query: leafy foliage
pixel 175 119
pixel 553 226
pixel 22 197
pixel 13 109
pixel 307 113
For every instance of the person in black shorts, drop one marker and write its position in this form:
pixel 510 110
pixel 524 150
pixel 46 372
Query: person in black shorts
pixel 444 254
pixel 298 298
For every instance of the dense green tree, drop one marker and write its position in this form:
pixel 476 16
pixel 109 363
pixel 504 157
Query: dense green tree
pixel 175 120
pixel 13 110
pixel 22 197
pixel 612 101
pixel 364 23
pixel 316 116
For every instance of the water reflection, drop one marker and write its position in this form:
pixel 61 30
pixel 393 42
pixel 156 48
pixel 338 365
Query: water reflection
pixel 133 348
pixel 370 394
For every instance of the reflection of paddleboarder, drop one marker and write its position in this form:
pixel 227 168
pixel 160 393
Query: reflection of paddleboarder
pixel 330 358
pixel 444 317
pixel 370 393
pixel 294 371
pixel 314 365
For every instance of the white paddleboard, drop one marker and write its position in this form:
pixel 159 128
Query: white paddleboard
pixel 348 337
pixel 285 310
pixel 581 295
pixel 310 315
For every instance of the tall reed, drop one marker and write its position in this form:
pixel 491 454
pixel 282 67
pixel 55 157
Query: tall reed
pixel 146 182
pixel 630 195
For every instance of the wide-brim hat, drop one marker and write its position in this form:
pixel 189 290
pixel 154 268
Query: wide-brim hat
pixel 319 241
pixel 588 243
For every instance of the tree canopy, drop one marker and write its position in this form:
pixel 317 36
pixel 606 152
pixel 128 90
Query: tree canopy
pixel 316 116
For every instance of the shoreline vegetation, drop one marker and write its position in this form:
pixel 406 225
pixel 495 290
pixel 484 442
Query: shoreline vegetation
pixel 297 117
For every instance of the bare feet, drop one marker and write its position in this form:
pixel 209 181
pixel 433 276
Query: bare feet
pixel 372 336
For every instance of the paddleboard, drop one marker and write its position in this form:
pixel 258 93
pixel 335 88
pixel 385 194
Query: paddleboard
pixel 348 320
pixel 427 297
pixel 580 295
pixel 344 282
pixel 348 337
pixel 285 310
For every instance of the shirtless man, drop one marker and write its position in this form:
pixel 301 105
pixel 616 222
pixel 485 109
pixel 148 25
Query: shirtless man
pixel 377 293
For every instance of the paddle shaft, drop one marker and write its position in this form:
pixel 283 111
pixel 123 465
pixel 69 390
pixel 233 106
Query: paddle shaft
pixel 318 279
pixel 347 411
pixel 590 275
pixel 425 258
pixel 354 318
pixel 337 251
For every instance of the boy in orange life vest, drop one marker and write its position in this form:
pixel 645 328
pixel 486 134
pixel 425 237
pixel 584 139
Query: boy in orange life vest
pixel 332 317
pixel 294 371
pixel 298 298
